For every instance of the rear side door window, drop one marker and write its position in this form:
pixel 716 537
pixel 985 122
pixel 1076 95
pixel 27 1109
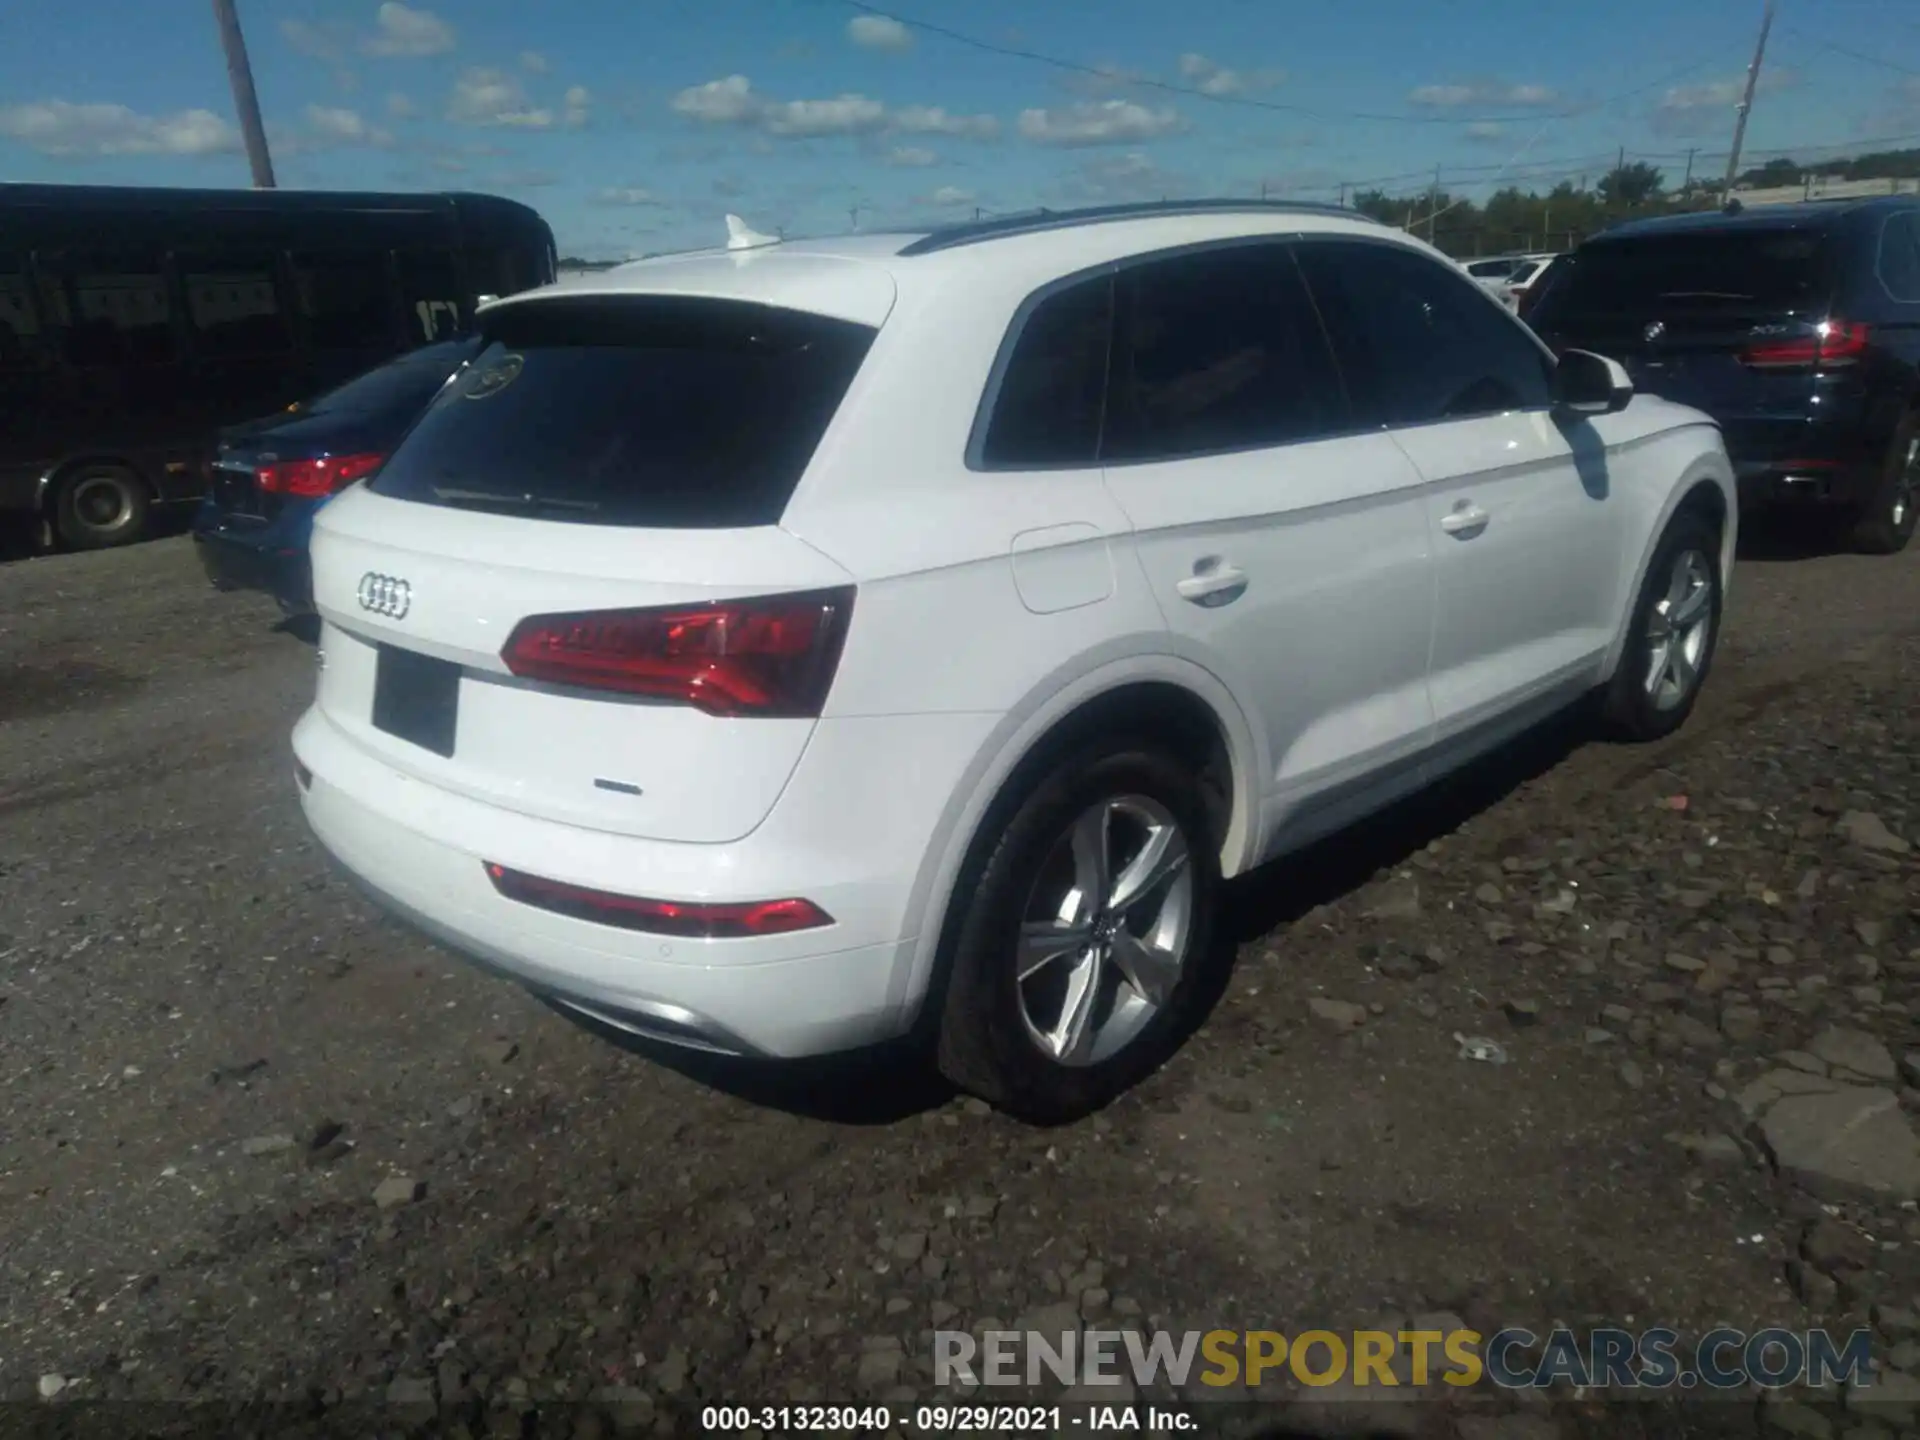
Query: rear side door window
pixel 1051 397
pixel 1215 351
pixel 1417 342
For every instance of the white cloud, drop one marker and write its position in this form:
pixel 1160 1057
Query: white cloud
pixel 345 127
pixel 575 101
pixel 912 157
pixel 734 101
pixel 401 30
pixel 533 62
pixel 1132 176
pixel 1692 109
pixel 627 195
pixel 879 32
pixel 719 102
pixel 843 115
pixel 1486 132
pixel 951 195
pixel 314 41
pixel 59 127
pixel 1100 122
pixel 400 106
pixel 483 96
pixel 1454 97
pixel 1210 78
pixel 932 120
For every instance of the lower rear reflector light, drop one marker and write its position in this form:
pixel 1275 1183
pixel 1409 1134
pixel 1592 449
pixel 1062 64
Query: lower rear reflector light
pixel 689 919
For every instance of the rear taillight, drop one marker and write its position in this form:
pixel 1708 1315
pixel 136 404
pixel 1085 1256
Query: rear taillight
pixel 313 478
pixel 688 919
pixel 772 657
pixel 1834 343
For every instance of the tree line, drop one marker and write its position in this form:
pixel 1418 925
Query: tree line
pixel 1513 219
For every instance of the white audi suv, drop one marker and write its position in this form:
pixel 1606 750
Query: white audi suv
pixel 796 645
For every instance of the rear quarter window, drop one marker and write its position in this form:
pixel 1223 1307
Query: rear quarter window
pixel 652 411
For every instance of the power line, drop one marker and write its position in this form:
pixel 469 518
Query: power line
pixel 1859 55
pixel 1191 92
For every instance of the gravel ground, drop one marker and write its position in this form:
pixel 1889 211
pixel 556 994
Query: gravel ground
pixel 257 1144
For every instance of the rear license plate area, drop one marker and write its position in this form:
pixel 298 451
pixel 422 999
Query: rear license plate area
pixel 416 698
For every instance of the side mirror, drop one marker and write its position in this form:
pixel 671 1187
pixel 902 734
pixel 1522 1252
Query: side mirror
pixel 1589 384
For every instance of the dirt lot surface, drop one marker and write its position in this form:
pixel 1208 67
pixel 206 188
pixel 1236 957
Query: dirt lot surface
pixel 213 1057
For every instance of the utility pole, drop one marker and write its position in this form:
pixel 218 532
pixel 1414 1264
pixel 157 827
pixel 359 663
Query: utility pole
pixel 1433 204
pixel 1746 102
pixel 240 76
pixel 1692 150
pixel 1343 194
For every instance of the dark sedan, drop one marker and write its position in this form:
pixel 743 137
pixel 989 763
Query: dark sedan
pixel 268 478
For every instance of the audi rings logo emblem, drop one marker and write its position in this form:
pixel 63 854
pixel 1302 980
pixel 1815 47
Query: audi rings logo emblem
pixel 385 595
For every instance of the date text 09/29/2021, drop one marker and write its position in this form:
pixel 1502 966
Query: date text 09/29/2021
pixel 943 1419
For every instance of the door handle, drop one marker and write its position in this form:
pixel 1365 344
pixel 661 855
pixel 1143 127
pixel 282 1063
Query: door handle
pixel 1465 520
pixel 1220 585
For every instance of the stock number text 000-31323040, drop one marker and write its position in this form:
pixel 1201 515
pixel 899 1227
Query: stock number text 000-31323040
pixel 945 1419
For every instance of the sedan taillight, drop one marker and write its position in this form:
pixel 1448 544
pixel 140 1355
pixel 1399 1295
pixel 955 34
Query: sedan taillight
pixel 315 478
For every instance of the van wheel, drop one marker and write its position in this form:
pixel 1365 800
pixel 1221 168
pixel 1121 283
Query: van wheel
pixel 1886 525
pixel 1671 635
pixel 98 506
pixel 1079 954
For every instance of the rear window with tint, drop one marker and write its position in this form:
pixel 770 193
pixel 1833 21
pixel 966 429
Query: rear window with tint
pixel 656 411
pixel 1733 269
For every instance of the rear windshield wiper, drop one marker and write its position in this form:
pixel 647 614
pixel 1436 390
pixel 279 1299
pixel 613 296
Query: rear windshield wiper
pixel 507 501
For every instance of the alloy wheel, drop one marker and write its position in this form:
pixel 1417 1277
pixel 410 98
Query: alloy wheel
pixel 1106 931
pixel 1679 630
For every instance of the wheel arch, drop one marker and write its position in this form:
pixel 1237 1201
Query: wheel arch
pixel 1171 697
pixel 1706 487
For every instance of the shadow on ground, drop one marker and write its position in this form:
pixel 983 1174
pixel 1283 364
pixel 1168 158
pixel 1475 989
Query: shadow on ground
pixel 1786 537
pixel 24 538
pixel 886 1086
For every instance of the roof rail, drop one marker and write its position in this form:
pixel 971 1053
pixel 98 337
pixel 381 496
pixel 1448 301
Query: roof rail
pixel 1031 222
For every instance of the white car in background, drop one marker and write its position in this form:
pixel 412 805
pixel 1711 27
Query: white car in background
pixel 782 648
pixel 1506 277
pixel 1513 290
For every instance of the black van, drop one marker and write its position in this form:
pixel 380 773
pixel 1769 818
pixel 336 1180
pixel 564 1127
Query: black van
pixel 1797 327
pixel 135 323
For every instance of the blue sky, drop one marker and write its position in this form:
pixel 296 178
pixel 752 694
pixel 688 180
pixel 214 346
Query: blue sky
pixel 635 125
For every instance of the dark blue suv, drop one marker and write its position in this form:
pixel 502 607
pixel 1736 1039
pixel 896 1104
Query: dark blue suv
pixel 268 478
pixel 1797 327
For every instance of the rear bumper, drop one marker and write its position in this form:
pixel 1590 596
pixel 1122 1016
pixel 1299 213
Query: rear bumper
pixel 1779 461
pixel 420 850
pixel 254 559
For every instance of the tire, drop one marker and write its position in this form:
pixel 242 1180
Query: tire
pixel 1886 525
pixel 1638 705
pixel 98 506
pixel 990 1022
